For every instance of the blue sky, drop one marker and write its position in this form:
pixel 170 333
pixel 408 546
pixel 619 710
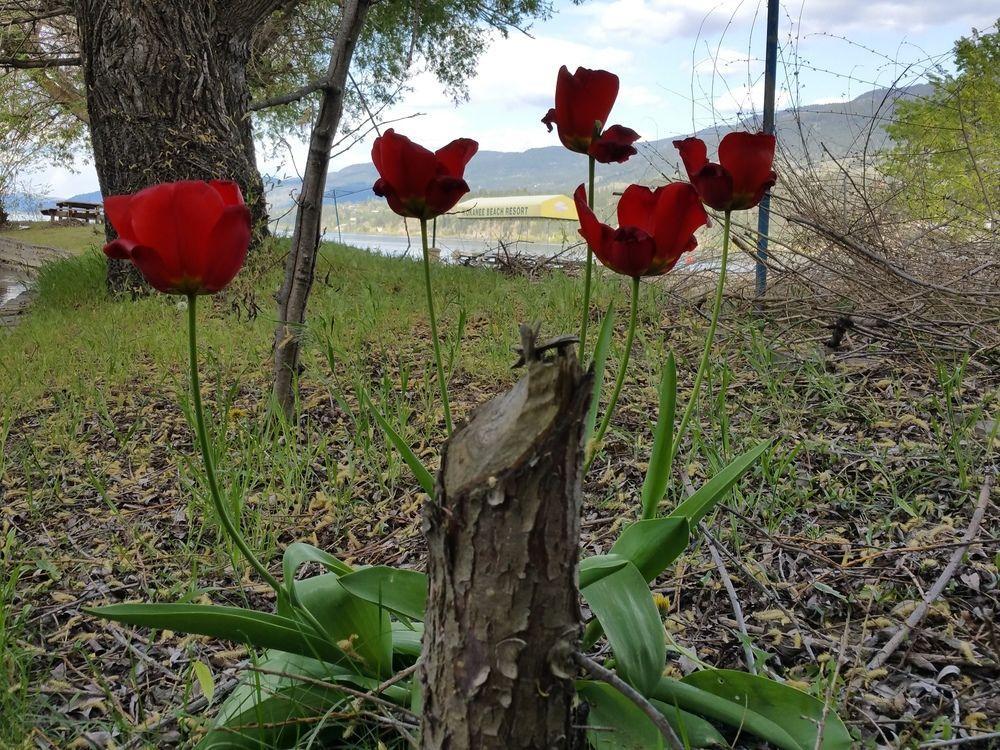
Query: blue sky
pixel 683 65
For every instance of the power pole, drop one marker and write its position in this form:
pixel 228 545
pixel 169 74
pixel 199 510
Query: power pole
pixel 770 75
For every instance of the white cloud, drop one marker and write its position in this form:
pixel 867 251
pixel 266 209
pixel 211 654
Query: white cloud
pixel 668 20
pixel 676 21
pixel 725 62
pixel 910 16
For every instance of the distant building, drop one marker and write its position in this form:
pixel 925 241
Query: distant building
pixel 559 207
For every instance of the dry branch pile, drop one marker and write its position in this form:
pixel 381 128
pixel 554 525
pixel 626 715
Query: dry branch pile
pixel 846 249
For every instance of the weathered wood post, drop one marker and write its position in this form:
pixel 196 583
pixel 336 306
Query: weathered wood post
pixel 503 614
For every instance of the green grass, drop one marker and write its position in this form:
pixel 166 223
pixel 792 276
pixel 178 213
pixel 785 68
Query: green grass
pixel 15 659
pixel 76 238
pixel 93 401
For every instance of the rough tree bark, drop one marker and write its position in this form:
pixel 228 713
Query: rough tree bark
pixel 300 264
pixel 167 96
pixel 503 610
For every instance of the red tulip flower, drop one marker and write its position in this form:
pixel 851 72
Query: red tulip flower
pixel 655 228
pixel 583 104
pixel 744 174
pixel 419 183
pixel 184 237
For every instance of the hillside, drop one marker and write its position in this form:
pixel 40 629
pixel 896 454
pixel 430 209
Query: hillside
pixel 843 128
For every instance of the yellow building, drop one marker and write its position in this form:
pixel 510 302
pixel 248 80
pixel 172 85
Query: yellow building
pixel 518 207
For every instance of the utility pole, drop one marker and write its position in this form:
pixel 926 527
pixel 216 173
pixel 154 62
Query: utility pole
pixel 770 75
pixel 336 212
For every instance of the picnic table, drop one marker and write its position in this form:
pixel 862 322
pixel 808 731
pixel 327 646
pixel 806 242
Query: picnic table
pixel 75 210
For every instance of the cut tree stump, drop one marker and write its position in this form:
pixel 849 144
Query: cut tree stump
pixel 503 613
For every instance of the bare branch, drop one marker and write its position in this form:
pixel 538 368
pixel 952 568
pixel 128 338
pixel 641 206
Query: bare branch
pixel 606 675
pixel 20 63
pixel 935 591
pixel 40 16
pixel 292 96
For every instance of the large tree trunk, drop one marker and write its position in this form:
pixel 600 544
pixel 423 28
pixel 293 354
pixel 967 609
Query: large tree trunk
pixel 301 261
pixel 503 614
pixel 168 98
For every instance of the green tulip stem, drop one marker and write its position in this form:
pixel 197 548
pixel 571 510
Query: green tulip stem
pixel 588 272
pixel 629 338
pixel 707 351
pixel 442 383
pixel 213 484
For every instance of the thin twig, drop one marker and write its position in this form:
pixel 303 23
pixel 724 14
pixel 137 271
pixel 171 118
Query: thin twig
pixel 833 684
pixel 935 591
pixel 337 686
pixel 734 600
pixel 398 677
pixel 606 675
pixel 962 740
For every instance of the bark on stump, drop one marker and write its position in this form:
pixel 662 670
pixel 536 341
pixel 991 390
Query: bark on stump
pixel 503 615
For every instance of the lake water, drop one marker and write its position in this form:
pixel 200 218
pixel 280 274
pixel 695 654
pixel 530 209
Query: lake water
pixel 12 283
pixel 410 247
pixel 400 246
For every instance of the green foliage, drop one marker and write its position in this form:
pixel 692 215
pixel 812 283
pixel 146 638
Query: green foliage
pixel 46 110
pixel 402 592
pixel 601 349
pixel 13 658
pixel 35 128
pixel 622 604
pixel 653 544
pixel 781 715
pixel 703 500
pixel 947 145
pixel 262 629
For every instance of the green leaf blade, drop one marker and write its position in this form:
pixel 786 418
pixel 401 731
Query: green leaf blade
pixel 624 607
pixel 711 493
pixel 398 590
pixel 654 486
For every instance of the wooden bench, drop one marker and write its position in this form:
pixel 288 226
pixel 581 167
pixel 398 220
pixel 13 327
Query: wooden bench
pixel 75 211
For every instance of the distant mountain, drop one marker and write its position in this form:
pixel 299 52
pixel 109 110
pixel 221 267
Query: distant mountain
pixel 841 128
pixel 23 203
pixel 94 197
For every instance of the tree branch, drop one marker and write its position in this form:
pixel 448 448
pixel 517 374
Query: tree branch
pixel 40 16
pixel 606 675
pixel 246 15
pixel 19 63
pixel 292 96
pixel 935 591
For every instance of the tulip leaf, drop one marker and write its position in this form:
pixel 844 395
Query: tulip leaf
pixel 623 606
pixel 424 477
pixel 691 729
pixel 601 349
pixel 799 714
pixel 614 722
pixel 259 629
pixel 276 711
pixel 395 589
pixel 710 706
pixel 654 486
pixel 406 639
pixel 347 618
pixel 653 544
pixel 596 567
pixel 298 553
pixel 287 699
pixel 714 490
